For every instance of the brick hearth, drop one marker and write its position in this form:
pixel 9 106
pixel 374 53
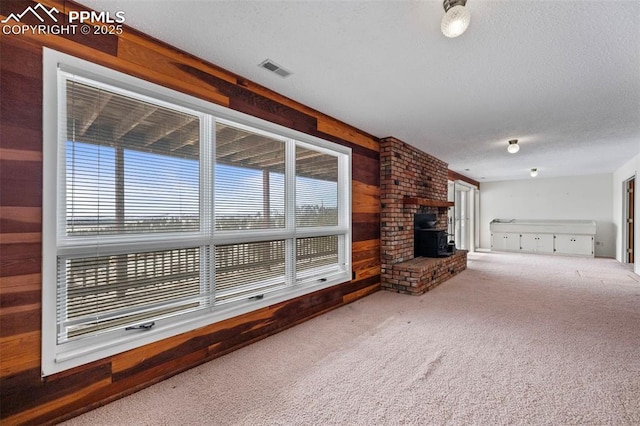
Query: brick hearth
pixel 421 274
pixel 407 172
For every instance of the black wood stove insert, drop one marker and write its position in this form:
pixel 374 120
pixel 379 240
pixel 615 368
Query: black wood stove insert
pixel 428 241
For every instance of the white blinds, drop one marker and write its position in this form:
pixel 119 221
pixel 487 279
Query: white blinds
pixel 316 188
pixel 103 293
pixel 249 191
pixel 131 166
pixel 249 270
pixel 316 252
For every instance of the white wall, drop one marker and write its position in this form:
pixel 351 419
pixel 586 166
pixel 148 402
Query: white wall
pixel 628 170
pixel 565 198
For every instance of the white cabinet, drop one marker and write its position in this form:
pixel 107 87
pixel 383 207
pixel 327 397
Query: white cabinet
pixel 562 237
pixel 505 241
pixel 536 243
pixel 580 245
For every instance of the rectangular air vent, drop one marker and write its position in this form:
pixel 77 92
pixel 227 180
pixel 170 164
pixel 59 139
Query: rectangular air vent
pixel 275 68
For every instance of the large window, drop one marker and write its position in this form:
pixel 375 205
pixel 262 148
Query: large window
pixel 163 213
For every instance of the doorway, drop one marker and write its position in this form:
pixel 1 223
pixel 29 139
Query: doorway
pixel 629 220
pixel 462 218
pixel 462 215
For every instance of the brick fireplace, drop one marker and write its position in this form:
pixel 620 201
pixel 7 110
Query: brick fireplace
pixel 412 181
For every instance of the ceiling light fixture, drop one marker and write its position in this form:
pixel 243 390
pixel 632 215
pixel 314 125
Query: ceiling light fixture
pixel 513 146
pixel 456 18
pixel 534 172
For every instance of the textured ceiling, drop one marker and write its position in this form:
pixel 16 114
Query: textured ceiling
pixel 563 77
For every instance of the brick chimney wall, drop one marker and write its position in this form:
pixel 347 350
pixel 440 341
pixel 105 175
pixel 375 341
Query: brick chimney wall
pixel 406 172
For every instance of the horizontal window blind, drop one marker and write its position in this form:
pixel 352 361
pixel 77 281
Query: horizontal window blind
pixel 316 188
pixel 249 191
pixel 316 252
pixel 248 270
pixel 103 293
pixel 131 167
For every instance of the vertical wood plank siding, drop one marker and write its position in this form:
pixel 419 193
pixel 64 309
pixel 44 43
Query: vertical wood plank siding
pixel 25 397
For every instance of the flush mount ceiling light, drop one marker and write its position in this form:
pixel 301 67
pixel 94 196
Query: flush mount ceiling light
pixel 456 18
pixel 513 146
pixel 534 172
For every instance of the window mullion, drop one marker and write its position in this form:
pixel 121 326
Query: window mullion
pixel 290 208
pixel 207 156
pixel 207 148
pixel 344 210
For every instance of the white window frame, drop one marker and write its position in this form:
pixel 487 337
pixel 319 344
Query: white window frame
pixel 60 357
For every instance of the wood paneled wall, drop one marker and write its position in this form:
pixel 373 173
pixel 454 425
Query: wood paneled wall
pixel 25 396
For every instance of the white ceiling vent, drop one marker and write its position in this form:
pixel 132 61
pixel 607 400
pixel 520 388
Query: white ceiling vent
pixel 275 68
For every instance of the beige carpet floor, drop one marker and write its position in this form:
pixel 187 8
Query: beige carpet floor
pixel 515 339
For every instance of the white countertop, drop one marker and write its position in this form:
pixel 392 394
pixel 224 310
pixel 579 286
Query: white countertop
pixel 544 226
